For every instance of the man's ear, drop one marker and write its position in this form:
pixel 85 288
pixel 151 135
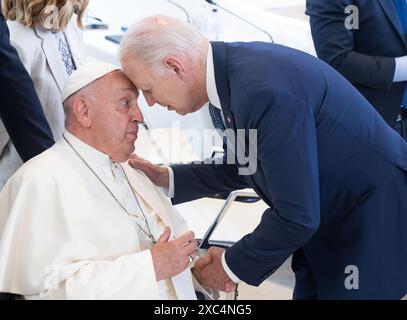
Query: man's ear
pixel 81 109
pixel 176 65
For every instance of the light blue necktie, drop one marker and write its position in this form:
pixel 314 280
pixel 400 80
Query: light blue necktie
pixel 65 54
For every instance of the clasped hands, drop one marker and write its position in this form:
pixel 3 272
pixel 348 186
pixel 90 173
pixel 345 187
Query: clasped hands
pixel 171 257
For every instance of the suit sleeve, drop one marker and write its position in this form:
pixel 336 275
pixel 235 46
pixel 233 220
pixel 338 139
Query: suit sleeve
pixel 287 152
pixel 194 181
pixel 20 108
pixel 335 45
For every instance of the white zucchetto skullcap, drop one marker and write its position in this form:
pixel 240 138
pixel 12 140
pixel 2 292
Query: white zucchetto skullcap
pixel 85 75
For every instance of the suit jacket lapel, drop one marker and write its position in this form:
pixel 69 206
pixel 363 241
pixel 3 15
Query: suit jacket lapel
pixel 222 81
pixel 220 61
pixel 391 13
pixel 51 52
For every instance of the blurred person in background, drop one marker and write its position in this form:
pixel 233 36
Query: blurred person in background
pixel 368 45
pixel 47 37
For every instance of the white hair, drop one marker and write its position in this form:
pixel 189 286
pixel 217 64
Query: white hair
pixel 152 39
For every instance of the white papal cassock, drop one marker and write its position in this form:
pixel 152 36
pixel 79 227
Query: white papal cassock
pixel 63 236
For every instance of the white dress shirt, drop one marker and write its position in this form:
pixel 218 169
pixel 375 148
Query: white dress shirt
pixel 400 73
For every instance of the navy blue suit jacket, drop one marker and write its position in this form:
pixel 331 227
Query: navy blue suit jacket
pixel 20 109
pixel 364 56
pixel 333 173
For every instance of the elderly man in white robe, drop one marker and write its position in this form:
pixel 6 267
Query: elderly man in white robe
pixel 77 222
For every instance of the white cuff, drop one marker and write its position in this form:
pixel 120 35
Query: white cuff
pixel 170 192
pixel 229 272
pixel 400 74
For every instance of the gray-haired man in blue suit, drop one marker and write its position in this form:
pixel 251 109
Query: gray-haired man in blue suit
pixel 332 172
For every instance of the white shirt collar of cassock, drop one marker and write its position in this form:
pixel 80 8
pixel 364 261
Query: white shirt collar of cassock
pixel 210 80
pixel 88 153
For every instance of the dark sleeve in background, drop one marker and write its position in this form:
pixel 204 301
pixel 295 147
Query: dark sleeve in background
pixel 335 45
pixel 20 108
